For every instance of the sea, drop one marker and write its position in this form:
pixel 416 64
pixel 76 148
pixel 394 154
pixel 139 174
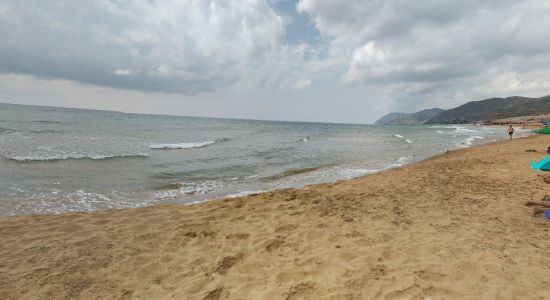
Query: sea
pixel 55 160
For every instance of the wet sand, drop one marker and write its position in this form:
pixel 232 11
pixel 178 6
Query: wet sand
pixel 451 227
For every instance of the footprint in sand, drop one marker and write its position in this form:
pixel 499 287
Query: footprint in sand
pixel 304 290
pixel 275 244
pixel 237 236
pixel 214 294
pixel 227 262
pixel 285 228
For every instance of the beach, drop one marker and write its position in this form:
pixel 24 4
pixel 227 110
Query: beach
pixel 450 227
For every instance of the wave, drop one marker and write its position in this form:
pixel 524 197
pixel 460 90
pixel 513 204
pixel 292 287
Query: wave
pixel 403 138
pixel 244 193
pixel 12 131
pixel 169 186
pixel 180 145
pixel 462 129
pixel 186 145
pixel 178 189
pixel 6 130
pixel 404 159
pixel 469 141
pixel 457 128
pixel 46 131
pixel 55 201
pixel 52 158
pixel 350 173
pixel 291 172
pixel 48 122
pixel 222 140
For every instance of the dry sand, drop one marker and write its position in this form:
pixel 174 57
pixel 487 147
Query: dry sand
pixel 449 227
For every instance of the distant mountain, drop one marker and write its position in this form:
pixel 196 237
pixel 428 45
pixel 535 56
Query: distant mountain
pixel 494 108
pixel 408 118
pixel 392 117
pixel 473 111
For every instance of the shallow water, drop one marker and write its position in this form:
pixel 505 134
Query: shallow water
pixel 57 159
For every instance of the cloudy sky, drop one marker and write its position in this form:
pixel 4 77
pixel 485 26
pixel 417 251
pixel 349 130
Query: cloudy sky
pixel 308 60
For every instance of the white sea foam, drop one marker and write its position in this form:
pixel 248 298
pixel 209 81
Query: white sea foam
pixel 468 141
pixel 457 128
pixel 392 165
pixel 463 129
pixel 191 188
pixel 56 157
pixel 403 138
pixel 180 145
pixel 401 161
pixel 404 159
pixel 349 173
pixel 322 175
pixel 243 193
pixel 445 126
pixel 53 201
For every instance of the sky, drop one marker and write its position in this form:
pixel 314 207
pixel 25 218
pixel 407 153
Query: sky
pixel 305 60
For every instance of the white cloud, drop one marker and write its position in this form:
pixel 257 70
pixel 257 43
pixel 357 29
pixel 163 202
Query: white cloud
pixel 370 57
pixel 302 84
pixel 123 72
pixel 412 54
pixel 172 46
pixel 425 52
pixel 3 10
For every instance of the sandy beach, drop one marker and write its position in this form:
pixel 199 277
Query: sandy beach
pixel 451 227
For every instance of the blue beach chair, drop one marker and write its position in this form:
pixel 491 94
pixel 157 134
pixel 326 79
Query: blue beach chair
pixel 543 164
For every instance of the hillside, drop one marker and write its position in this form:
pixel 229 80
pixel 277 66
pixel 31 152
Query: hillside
pixel 494 108
pixel 392 117
pixel 408 118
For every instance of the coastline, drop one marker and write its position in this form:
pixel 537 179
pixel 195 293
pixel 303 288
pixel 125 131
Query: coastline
pixel 450 226
pixel 246 193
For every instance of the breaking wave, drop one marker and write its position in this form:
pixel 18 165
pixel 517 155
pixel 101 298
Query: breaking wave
pixel 403 138
pixel 292 172
pixel 51 158
pixel 169 146
pixel 469 141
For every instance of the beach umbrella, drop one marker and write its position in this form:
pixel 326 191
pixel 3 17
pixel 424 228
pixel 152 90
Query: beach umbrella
pixel 545 130
pixel 543 164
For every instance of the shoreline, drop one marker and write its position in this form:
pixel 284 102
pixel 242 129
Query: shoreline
pixel 449 226
pixel 245 193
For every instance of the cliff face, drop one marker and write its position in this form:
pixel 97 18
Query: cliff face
pixel 473 111
pixel 408 118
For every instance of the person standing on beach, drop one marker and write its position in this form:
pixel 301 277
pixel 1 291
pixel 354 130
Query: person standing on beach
pixel 510 131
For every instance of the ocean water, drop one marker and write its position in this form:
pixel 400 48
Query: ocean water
pixel 55 160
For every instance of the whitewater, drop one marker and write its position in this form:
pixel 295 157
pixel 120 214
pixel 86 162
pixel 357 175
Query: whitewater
pixel 55 160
